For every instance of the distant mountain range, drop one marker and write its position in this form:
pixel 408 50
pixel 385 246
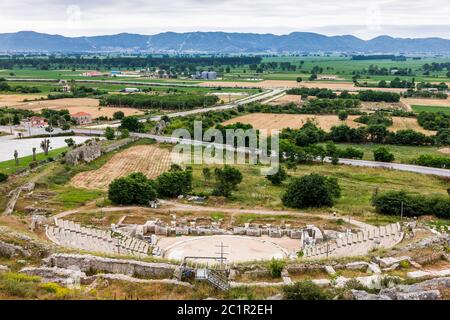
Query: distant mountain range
pixel 218 42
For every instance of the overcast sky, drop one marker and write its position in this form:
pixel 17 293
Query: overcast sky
pixel 363 18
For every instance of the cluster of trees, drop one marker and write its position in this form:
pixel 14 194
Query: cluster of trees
pixel 397 83
pixel 311 191
pixel 315 92
pixel 378 133
pixel 428 160
pixel 5 87
pixel 170 102
pixel 164 62
pixel 367 95
pixel 376 118
pixel 138 189
pixel 78 92
pixel 424 94
pixel 391 203
pixel 13 116
pixel 378 96
pixel 434 120
pixel 428 85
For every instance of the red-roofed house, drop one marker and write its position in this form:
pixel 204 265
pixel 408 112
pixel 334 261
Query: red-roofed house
pixel 82 117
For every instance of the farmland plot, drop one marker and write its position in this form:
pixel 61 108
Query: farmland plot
pixel 150 160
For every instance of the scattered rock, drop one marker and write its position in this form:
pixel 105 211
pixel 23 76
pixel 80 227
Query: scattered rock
pixel 392 267
pixel 58 275
pixel 363 295
pixel 276 297
pixel 389 261
pixel 11 250
pixel 420 295
pixel 373 268
pixel 3 268
pixel 330 270
pixel 359 265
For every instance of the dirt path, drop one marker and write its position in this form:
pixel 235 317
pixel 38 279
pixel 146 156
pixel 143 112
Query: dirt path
pixel 175 206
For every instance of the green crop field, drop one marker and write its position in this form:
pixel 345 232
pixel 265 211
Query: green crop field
pixel 417 109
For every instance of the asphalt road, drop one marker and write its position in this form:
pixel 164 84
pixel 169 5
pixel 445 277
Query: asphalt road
pixel 254 98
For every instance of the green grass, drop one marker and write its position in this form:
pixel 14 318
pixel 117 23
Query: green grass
pixel 358 185
pixel 403 154
pixel 10 167
pixel 72 197
pixel 418 109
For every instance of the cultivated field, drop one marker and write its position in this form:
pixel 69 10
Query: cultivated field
pixel 10 100
pixel 427 102
pixel 288 98
pixel 326 122
pixel 88 105
pixel 150 160
pixel 267 84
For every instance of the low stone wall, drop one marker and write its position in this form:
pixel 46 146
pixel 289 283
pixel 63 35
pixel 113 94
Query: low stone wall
pixel 94 264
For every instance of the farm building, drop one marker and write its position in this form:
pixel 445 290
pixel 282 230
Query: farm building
pixel 35 122
pixel 82 117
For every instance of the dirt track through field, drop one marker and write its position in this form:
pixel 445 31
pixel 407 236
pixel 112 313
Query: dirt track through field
pixel 150 160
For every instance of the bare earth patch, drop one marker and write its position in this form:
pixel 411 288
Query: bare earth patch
pixel 401 123
pixel 288 98
pixel 444 150
pixel 150 160
pixel 10 100
pixel 91 106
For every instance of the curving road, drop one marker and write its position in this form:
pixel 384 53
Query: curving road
pixel 254 98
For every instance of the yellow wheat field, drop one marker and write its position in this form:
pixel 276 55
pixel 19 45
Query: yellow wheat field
pixel 150 160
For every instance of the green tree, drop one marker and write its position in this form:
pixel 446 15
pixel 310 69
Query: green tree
pixel 227 180
pixel 133 189
pixel 70 142
pixel 206 173
pixel 110 133
pixel 124 133
pixel 311 191
pixel 383 155
pixel 299 79
pixel 119 115
pixel 278 178
pixel 174 183
pixel 343 115
pixel 132 124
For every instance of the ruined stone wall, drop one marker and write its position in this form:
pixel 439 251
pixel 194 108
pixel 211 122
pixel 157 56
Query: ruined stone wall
pixel 86 153
pixel 93 264
pixel 357 244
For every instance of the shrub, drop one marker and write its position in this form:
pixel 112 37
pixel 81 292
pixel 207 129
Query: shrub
pixel 383 155
pixel 304 290
pixel 3 177
pixel 110 134
pixel 390 203
pixel 433 161
pixel 311 191
pixel 278 178
pixel 276 268
pixel 133 189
